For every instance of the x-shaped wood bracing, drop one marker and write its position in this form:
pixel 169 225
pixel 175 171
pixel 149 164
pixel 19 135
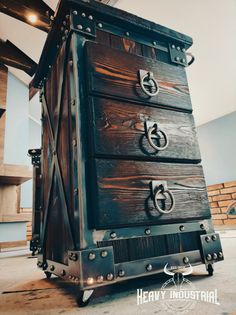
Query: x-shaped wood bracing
pixel 55 173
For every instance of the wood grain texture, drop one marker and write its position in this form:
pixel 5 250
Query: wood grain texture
pixel 122 195
pixel 115 73
pixel 119 130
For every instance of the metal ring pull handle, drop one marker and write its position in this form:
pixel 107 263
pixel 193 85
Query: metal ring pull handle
pixel 192 58
pixel 148 83
pixel 160 191
pixel 153 131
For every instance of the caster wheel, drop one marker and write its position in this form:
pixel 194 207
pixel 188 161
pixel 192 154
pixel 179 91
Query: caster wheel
pixel 210 270
pixel 48 274
pixel 84 297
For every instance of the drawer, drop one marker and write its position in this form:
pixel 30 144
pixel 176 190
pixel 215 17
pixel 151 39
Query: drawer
pixel 144 80
pixel 124 129
pixel 129 193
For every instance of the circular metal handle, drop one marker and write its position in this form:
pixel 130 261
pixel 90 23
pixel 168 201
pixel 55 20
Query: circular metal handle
pixel 149 85
pixel 163 192
pixel 192 58
pixel 150 135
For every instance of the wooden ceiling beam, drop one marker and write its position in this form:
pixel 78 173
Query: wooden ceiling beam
pixel 12 56
pixel 22 9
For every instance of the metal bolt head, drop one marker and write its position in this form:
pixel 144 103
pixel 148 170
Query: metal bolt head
pixel 214 256
pixel 63 273
pixel 99 279
pixel 202 226
pixel 214 237
pixel 52 267
pixel 75 12
pixel 100 25
pixel 110 276
pixel 121 273
pixel 80 27
pixel 113 235
pixel 83 14
pixel 90 281
pixel 220 254
pixel 186 260
pixel 181 228
pixel 208 257
pixel 88 29
pixel 104 253
pixel 173 46
pixel 90 17
pixel 207 239
pixel 149 267
pixel 91 256
pixel 147 231
pixel 177 58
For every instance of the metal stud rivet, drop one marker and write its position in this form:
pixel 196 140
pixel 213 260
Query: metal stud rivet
pixel 183 60
pixel 208 257
pixel 173 46
pixel 214 237
pixel 215 256
pixel 104 253
pixel 207 239
pixel 110 276
pixel 75 12
pixel 149 267
pixel 185 260
pixel 202 226
pixel 63 272
pixel 88 29
pixel 90 17
pixel 154 43
pixel 83 14
pixel 99 279
pixel 80 27
pixel 183 49
pixel 178 48
pixel 220 254
pixel 100 25
pixel 177 58
pixel 113 235
pixel 90 281
pixel 121 273
pixel 147 231
pixel 127 33
pixel 182 228
pixel 52 267
pixel 91 256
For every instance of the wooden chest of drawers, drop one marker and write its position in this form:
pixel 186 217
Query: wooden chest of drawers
pixel 119 186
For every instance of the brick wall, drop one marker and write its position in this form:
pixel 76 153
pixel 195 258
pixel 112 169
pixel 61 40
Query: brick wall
pixel 221 196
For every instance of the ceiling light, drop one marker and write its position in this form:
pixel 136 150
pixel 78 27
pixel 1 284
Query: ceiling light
pixel 32 18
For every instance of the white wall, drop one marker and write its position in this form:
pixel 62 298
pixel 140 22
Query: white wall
pixel 212 24
pixel 218 149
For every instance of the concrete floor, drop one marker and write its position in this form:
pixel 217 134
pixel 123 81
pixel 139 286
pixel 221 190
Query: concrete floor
pixel 24 290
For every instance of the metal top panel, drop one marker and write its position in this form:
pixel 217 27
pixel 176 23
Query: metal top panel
pixel 107 14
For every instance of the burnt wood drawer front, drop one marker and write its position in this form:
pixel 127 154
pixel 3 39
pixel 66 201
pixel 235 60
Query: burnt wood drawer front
pixel 124 129
pixel 124 193
pixel 117 74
